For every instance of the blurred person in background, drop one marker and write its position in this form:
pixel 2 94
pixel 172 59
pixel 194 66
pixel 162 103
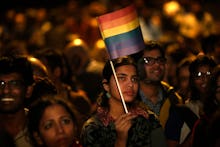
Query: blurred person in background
pixel 180 124
pixel 200 72
pixel 182 75
pixel 201 136
pixel 54 61
pixel 85 72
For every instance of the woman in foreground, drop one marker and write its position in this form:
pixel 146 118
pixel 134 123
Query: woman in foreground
pixel 111 126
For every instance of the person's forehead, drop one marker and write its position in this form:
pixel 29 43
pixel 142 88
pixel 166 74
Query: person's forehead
pixel 154 52
pixel 203 68
pixel 126 69
pixel 55 111
pixel 13 75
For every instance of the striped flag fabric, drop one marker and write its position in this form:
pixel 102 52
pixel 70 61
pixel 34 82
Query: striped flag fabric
pixel 121 32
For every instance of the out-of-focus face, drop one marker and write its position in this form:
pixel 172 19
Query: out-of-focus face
pixel 12 93
pixel 201 78
pixel 77 58
pixel 183 77
pixel 128 81
pixel 183 80
pixel 56 127
pixel 155 67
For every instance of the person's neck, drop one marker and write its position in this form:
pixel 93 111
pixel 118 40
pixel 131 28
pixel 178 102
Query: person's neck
pixel 116 108
pixel 13 123
pixel 150 90
pixel 150 82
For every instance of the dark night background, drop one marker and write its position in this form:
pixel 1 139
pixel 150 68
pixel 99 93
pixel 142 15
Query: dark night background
pixel 211 5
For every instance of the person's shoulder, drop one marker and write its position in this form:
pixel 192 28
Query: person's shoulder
pixel 146 113
pixel 167 87
pixel 93 122
pixel 171 93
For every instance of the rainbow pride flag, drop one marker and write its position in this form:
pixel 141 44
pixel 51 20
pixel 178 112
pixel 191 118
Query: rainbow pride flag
pixel 121 32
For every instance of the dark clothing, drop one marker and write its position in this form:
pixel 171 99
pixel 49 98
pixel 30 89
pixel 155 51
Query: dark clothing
pixel 99 131
pixel 177 117
pixel 167 97
pixel 200 132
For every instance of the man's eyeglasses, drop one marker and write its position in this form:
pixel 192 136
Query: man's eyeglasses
pixel 11 84
pixel 151 61
pixel 200 74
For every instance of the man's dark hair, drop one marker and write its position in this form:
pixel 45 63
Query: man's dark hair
pixel 152 45
pixel 17 64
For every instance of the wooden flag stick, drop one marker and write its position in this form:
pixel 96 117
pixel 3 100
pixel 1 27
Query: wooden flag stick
pixel 119 89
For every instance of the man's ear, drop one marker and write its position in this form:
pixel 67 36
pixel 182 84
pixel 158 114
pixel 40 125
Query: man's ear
pixel 37 138
pixel 105 85
pixel 29 91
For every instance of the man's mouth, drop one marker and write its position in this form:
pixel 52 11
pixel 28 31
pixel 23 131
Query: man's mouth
pixel 7 99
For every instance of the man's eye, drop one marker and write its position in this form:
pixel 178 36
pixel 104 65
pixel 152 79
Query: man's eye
pixel 14 83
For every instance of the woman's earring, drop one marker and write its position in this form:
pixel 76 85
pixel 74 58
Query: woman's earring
pixel 108 95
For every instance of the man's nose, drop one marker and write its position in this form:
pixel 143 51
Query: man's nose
pixel 6 88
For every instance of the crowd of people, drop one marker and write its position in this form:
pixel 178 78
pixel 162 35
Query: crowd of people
pixel 57 86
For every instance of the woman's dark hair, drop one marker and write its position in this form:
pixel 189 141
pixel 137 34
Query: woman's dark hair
pixel 38 108
pixel 41 87
pixel 201 60
pixel 107 73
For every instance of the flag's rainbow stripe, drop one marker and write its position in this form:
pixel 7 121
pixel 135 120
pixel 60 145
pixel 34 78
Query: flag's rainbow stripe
pixel 121 32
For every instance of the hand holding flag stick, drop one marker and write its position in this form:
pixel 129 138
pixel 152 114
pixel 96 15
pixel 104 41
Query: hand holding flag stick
pixel 122 35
